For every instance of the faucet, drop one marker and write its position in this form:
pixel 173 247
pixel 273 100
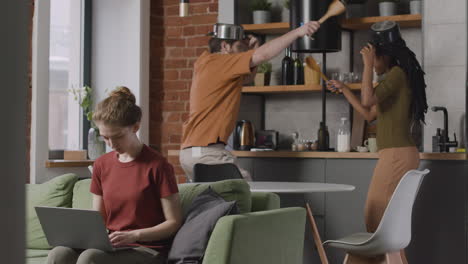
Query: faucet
pixel 445 143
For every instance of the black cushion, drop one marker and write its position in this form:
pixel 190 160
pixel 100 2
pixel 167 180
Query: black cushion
pixel 191 240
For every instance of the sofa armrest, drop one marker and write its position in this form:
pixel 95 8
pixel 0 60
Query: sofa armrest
pixel 273 237
pixel 264 201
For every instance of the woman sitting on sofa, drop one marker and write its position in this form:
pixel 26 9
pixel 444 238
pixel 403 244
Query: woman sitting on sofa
pixel 133 187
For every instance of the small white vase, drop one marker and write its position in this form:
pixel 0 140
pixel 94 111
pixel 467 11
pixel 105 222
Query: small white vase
pixel 415 6
pixel 96 146
pixel 261 17
pixel 387 8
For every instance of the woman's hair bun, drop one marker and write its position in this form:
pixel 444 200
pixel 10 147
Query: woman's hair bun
pixel 124 93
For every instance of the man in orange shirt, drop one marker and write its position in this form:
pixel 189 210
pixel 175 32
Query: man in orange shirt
pixel 216 92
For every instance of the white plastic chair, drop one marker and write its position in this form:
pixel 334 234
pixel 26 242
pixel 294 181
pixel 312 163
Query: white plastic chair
pixel 394 231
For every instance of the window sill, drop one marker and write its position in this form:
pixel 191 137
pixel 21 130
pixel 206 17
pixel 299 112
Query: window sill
pixel 68 163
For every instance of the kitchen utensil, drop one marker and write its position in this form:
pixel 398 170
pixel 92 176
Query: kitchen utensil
pixel 385 32
pixel 311 76
pixel 244 135
pixel 336 8
pixel 310 61
pixel 227 31
pixel 327 39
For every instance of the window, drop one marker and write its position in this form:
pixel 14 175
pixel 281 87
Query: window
pixel 65 73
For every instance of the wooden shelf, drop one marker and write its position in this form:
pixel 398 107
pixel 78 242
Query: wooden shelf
pixel 357 23
pixel 405 21
pixel 68 163
pixel 290 88
pixel 339 155
pixel 269 28
pixel 331 155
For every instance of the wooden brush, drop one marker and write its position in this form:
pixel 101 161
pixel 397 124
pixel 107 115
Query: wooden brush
pixel 335 8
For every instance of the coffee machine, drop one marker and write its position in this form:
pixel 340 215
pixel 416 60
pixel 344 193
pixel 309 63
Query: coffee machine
pixel 244 135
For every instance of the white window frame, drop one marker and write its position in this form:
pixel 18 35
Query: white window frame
pixel 39 153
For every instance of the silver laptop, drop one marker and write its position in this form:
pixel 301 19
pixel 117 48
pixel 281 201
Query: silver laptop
pixel 75 228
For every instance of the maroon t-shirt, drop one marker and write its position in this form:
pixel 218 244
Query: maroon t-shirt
pixel 132 191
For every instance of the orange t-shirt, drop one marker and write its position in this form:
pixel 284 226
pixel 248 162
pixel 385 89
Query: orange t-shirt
pixel 215 97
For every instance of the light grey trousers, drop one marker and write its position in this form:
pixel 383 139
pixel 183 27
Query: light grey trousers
pixel 139 255
pixel 212 154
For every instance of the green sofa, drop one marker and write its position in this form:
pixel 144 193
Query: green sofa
pixel 262 233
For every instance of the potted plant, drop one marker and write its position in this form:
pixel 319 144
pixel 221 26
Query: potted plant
pixel 285 11
pixel 262 78
pixel 96 146
pixel 261 11
pixel 415 6
pixel 356 8
pixel 388 7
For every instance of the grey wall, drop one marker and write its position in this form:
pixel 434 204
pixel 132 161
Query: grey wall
pixel 445 63
pixel 14 22
pixel 288 113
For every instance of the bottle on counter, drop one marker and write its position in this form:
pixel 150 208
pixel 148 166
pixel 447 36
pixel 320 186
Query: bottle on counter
pixel 436 141
pixel 343 142
pixel 298 71
pixel 323 138
pixel 287 69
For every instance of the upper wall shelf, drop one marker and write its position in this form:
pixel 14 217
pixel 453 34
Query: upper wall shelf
pixel 290 88
pixel 405 21
pixel 269 28
pixel 358 23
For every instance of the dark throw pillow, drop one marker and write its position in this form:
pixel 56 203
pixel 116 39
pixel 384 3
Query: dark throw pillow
pixel 190 242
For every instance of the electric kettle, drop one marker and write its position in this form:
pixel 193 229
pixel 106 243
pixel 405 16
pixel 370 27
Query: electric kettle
pixel 244 135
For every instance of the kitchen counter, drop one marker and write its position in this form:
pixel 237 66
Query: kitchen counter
pixel 332 155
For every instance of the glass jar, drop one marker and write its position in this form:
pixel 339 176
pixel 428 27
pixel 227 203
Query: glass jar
pixel 343 143
pixel 295 143
pixel 309 144
pixel 302 146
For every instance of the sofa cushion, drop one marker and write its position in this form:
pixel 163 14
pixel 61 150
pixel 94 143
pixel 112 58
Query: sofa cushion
pixel 36 256
pixel 231 190
pixel 265 201
pixel 82 197
pixel 56 192
pixel 37 253
pixel 192 238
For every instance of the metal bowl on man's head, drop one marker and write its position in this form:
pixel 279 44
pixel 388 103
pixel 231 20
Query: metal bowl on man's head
pixel 228 31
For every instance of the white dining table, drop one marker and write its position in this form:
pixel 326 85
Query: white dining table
pixel 298 187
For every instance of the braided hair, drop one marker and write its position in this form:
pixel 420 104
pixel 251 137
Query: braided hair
pixel 403 57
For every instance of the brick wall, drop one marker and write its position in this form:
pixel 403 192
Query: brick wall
pixel 176 42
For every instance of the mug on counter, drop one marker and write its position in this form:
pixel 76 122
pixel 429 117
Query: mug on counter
pixel 371 144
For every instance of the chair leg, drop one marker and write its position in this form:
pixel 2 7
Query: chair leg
pixel 345 261
pixel 393 258
pixel 316 236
